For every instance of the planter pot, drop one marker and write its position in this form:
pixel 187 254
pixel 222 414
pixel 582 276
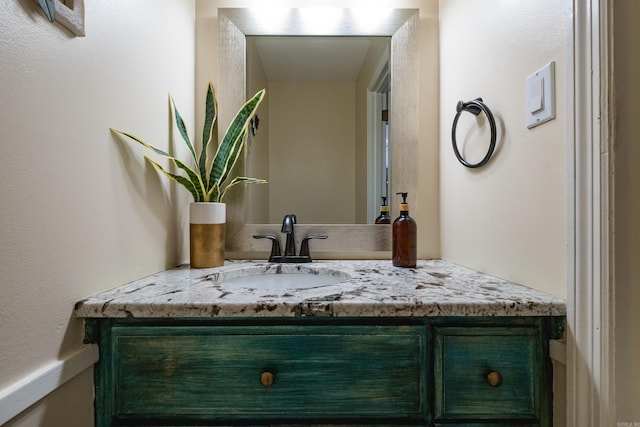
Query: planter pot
pixel 206 234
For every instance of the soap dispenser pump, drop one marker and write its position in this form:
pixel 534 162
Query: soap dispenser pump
pixel 404 238
pixel 384 217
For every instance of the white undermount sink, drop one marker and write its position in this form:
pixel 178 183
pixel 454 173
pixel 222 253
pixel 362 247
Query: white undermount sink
pixel 281 276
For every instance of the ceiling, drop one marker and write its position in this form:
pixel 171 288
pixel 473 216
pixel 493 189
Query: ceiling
pixel 313 58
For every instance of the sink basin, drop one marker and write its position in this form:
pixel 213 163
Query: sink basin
pixel 281 277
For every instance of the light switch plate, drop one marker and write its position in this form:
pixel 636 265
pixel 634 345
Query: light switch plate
pixel 540 99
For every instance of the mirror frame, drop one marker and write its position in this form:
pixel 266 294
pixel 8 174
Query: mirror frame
pixel 346 241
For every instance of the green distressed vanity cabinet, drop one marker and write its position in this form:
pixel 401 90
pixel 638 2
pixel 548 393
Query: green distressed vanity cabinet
pixel 437 345
pixel 394 371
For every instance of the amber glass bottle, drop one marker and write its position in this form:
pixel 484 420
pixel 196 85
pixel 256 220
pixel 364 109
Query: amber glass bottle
pixel 404 239
pixel 384 217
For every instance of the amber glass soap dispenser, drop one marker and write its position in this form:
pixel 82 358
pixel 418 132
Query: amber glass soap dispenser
pixel 405 240
pixel 384 217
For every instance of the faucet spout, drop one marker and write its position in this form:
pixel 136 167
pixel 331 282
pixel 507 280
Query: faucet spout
pixel 289 255
pixel 288 228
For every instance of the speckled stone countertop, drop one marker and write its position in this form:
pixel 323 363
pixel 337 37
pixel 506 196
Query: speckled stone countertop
pixel 366 288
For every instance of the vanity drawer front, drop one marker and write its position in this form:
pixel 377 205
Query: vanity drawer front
pixel 487 373
pixel 318 372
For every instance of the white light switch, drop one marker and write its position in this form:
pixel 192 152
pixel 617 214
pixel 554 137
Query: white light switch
pixel 540 96
pixel 534 99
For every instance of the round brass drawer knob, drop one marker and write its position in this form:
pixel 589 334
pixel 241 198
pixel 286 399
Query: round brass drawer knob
pixel 494 379
pixel 267 378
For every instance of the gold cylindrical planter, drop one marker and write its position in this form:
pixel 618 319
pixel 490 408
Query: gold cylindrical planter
pixel 206 234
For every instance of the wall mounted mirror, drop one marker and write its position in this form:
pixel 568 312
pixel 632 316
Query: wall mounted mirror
pixel 390 32
pixel 322 117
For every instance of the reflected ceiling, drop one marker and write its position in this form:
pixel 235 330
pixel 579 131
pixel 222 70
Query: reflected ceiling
pixel 313 59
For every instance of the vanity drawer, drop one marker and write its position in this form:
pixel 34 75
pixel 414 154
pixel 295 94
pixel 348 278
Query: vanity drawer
pixel 487 374
pixel 318 372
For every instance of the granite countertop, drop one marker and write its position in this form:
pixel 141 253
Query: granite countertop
pixel 375 288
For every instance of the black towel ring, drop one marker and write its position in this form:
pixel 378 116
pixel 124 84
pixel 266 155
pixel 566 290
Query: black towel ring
pixel 475 107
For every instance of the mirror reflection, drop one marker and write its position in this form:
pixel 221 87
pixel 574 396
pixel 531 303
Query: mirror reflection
pixel 321 136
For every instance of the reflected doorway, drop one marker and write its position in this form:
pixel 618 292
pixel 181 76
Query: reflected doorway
pixel 378 160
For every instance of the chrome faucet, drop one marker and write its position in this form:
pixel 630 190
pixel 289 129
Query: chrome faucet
pixel 288 227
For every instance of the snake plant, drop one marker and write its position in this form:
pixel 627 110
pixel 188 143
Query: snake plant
pixel 209 181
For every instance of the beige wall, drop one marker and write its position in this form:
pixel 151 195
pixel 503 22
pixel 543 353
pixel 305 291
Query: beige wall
pixel 626 67
pixel 508 219
pixel 80 211
pixel 312 151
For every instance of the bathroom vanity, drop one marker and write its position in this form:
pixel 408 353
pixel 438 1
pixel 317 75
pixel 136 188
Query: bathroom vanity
pixel 438 345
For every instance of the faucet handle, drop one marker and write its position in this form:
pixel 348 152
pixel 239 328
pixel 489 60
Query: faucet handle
pixel 304 247
pixel 275 244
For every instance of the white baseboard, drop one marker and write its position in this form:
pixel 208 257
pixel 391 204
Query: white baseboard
pixel 25 392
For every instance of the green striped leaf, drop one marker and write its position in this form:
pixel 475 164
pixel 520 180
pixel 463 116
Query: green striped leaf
pixel 241 180
pixel 234 155
pixel 234 135
pixel 211 113
pixel 149 146
pixel 213 195
pixel 196 182
pixel 194 178
pixel 182 128
pixel 227 154
pixel 177 178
